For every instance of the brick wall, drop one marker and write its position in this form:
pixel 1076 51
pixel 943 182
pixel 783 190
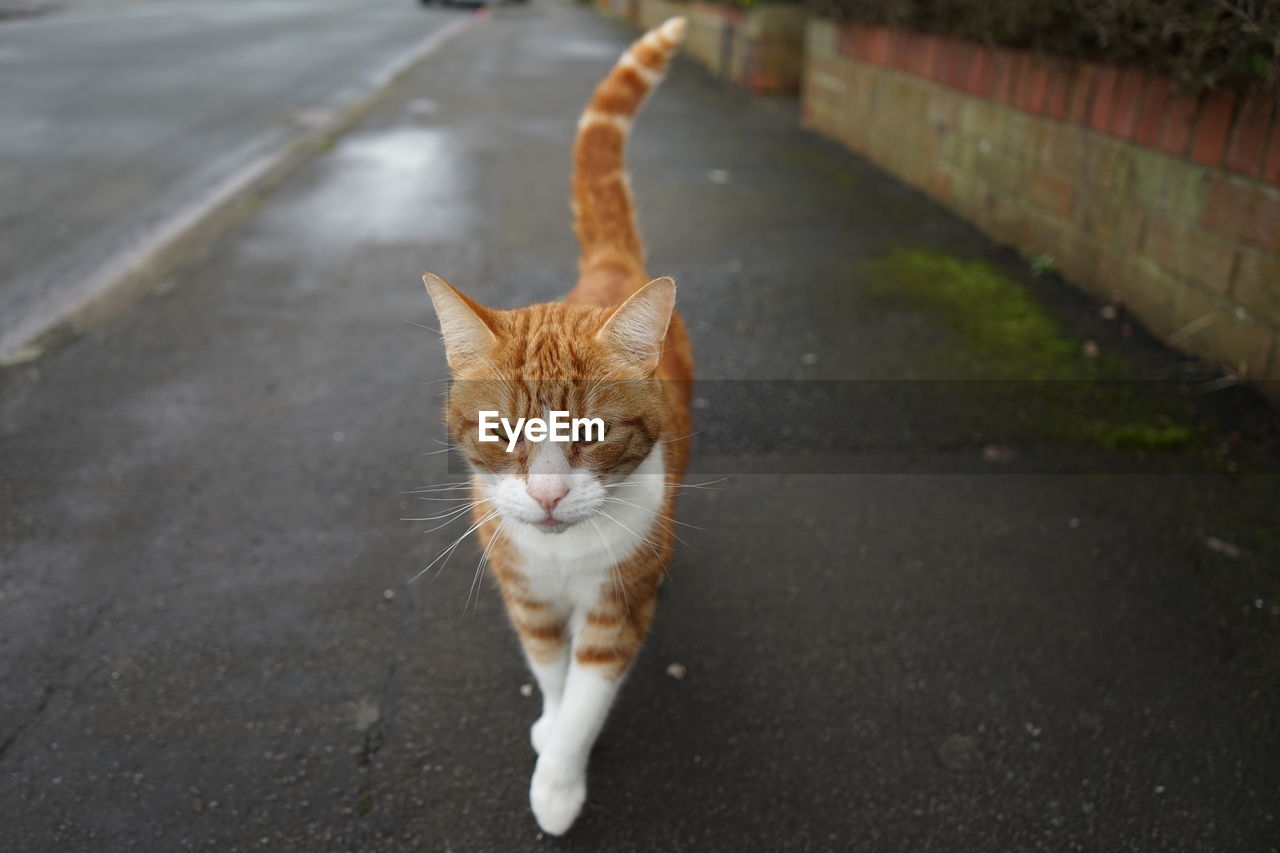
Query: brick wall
pixel 761 49
pixel 1165 202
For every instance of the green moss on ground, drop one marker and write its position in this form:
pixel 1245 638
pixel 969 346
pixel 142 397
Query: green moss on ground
pixel 1007 335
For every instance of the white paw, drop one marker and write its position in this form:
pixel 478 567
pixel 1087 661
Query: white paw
pixel 556 794
pixel 540 731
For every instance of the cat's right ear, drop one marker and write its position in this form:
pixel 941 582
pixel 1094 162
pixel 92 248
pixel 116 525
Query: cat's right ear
pixel 463 322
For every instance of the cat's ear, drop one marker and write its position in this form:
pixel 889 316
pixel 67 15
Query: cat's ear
pixel 463 322
pixel 637 327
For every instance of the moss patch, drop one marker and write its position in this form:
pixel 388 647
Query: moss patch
pixel 997 318
pixel 1007 335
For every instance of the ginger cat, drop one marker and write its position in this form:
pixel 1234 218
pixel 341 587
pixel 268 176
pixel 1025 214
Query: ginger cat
pixel 577 533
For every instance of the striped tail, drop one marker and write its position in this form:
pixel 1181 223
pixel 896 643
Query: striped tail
pixel 602 206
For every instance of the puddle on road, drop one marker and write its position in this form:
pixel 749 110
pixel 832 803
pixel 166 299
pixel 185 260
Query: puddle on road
pixel 406 184
pixel 573 48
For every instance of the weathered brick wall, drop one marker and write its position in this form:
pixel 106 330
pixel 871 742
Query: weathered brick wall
pixel 654 12
pixel 1165 202
pixel 762 49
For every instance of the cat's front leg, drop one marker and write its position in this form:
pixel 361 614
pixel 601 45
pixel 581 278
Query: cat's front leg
pixel 551 675
pixel 559 785
pixel 546 648
pixel 603 649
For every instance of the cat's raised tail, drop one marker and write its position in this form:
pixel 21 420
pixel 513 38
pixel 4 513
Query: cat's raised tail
pixel 603 211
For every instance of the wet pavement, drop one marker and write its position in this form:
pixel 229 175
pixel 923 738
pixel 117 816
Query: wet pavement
pixel 208 638
pixel 119 116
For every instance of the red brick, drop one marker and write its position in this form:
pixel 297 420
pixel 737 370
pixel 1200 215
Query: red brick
pixel 1103 98
pixel 933 67
pixel 940 58
pixel 911 47
pixel 1002 87
pixel 1151 106
pixel 945 61
pixel 1021 81
pixel 878 45
pixel 1249 136
pixel 1179 120
pixel 1082 87
pixel 1212 127
pixel 1238 209
pixel 1271 163
pixel 981 75
pixel 900 50
pixel 1124 108
pixel 957 53
pixel 1037 91
pixel 1019 92
pixel 868 45
pixel 1058 97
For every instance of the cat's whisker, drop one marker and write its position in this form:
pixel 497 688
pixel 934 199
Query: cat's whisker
pixel 447 446
pixel 452 515
pixel 661 519
pixel 625 483
pixel 614 566
pixel 679 438
pixel 613 499
pixel 707 485
pixel 443 555
pixel 484 558
pixel 420 326
pixel 437 489
pixel 452 511
pixel 664 520
pixel 653 546
pixel 461 514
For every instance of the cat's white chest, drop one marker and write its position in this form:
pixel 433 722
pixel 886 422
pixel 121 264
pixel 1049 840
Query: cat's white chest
pixel 569 568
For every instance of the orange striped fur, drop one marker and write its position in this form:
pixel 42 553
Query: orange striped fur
pixel 613 348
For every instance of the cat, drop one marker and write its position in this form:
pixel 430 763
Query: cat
pixel 577 534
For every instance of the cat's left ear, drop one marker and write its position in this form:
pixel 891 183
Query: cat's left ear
pixel 463 322
pixel 637 327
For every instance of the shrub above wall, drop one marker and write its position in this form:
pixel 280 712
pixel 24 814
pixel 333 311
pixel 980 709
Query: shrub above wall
pixel 1199 44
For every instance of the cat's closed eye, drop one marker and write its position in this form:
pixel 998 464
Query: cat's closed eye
pixel 591 437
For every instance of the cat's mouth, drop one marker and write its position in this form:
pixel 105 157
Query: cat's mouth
pixel 551 525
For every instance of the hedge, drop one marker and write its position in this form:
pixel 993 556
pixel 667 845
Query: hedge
pixel 1201 44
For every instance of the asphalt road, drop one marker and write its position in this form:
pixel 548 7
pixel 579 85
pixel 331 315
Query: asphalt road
pixel 117 117
pixel 208 637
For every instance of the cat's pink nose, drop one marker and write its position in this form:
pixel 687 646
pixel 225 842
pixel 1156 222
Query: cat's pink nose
pixel 547 489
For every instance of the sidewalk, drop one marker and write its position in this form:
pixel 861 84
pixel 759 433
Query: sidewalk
pixel 207 638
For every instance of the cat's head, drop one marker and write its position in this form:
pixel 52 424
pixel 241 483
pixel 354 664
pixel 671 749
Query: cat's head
pixel 528 363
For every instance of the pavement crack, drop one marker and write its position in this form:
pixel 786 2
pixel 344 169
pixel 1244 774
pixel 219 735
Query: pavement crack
pixel 378 732
pixel 35 714
pixel 46 695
